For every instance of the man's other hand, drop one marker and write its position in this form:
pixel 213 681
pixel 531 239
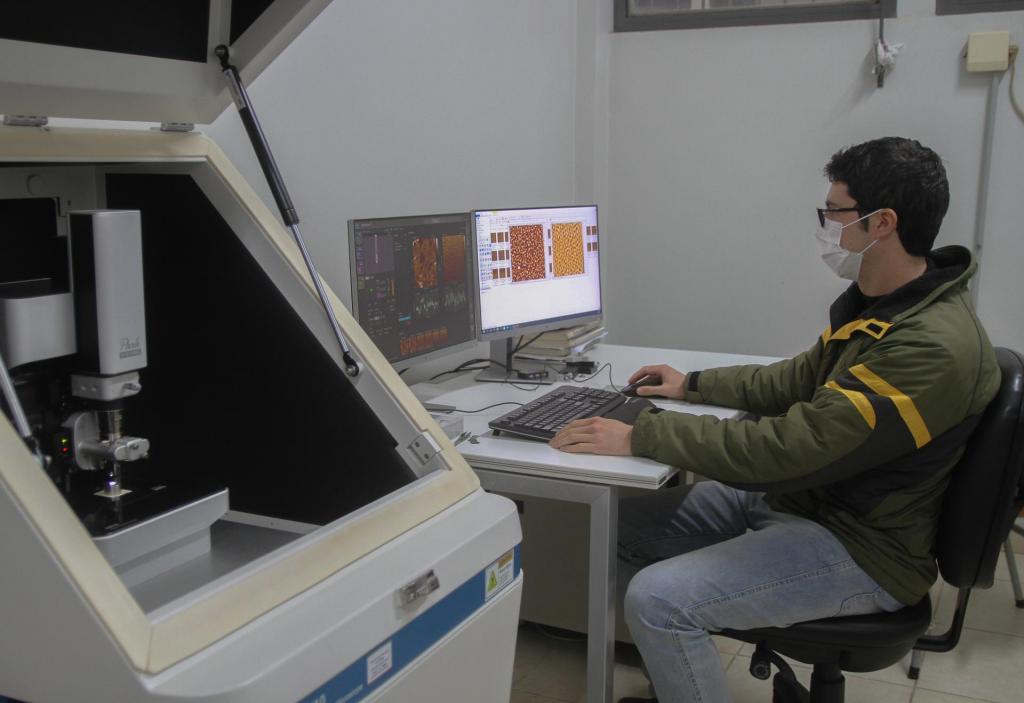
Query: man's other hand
pixel 594 435
pixel 672 381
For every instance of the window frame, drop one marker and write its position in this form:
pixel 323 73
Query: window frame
pixel 963 7
pixel 749 16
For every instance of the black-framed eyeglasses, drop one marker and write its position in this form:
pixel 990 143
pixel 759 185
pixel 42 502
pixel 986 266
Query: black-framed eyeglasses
pixel 823 210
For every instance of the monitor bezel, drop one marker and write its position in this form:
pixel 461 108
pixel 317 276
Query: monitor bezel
pixel 472 292
pixel 542 325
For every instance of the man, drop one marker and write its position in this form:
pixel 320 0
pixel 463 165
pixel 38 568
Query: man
pixel 827 503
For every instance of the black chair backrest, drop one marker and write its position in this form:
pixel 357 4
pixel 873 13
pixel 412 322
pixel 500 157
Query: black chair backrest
pixel 981 501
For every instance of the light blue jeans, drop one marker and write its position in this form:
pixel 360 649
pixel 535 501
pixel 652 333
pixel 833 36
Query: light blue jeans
pixel 712 557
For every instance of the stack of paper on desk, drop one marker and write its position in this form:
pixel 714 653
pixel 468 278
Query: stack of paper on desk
pixel 559 344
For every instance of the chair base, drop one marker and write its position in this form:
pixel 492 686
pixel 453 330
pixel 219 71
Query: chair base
pixel 1011 563
pixel 854 643
pixel 827 682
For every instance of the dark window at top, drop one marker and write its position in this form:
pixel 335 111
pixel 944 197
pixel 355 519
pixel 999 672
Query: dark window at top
pixel 166 30
pixel 961 7
pixel 244 13
pixel 643 15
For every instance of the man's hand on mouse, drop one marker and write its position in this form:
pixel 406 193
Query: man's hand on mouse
pixel 594 435
pixel 673 383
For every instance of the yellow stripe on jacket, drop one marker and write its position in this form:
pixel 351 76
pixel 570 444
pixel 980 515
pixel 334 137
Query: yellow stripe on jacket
pixel 904 405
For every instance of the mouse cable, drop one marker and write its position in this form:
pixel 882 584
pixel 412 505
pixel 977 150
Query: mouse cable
pixel 480 410
pixel 607 365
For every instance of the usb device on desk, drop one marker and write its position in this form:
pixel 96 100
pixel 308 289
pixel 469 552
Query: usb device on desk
pixel 580 366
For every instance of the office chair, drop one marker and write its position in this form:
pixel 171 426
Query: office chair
pixel 1011 560
pixel 980 506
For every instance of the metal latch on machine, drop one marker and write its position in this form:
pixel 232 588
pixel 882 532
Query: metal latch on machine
pixel 420 587
pixel 424 447
pixel 177 126
pixel 26 120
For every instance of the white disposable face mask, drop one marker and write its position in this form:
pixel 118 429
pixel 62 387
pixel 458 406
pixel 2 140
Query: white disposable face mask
pixel 845 263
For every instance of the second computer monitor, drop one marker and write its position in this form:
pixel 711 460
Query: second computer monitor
pixel 537 269
pixel 412 284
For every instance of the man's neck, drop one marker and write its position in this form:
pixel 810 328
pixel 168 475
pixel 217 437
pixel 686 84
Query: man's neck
pixel 895 273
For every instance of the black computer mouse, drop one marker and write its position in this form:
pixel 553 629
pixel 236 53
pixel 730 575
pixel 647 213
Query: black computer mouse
pixel 648 380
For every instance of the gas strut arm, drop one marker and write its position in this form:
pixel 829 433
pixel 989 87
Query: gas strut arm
pixel 284 203
pixel 10 396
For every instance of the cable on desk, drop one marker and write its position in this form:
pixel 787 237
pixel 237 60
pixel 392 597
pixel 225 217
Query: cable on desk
pixel 563 375
pixel 554 370
pixel 575 377
pixel 515 385
pixel 480 410
pixel 467 366
pixel 509 380
pixel 522 345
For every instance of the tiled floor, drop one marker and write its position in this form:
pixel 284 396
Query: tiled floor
pixel 986 667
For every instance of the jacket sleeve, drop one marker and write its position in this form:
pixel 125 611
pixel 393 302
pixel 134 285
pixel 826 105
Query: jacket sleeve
pixel 895 399
pixel 762 390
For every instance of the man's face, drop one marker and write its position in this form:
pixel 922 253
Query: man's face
pixel 854 238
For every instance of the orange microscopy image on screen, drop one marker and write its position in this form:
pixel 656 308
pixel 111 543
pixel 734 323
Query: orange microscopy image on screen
pixel 567 245
pixel 424 262
pixel 527 252
pixel 453 250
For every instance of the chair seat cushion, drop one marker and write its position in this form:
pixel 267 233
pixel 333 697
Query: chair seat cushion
pixel 855 643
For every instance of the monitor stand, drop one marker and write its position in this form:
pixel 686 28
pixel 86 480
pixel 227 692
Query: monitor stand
pixel 522 371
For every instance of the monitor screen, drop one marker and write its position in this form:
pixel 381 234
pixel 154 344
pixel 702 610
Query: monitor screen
pixel 412 284
pixel 537 268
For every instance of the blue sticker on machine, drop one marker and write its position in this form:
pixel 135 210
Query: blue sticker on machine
pixel 381 663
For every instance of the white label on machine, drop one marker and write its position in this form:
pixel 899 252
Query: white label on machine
pixel 499 574
pixel 378 663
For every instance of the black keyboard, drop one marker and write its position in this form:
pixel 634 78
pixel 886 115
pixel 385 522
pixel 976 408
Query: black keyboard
pixel 543 417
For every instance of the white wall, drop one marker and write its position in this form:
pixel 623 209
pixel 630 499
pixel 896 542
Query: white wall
pixel 393 107
pixel 717 141
pixel 703 148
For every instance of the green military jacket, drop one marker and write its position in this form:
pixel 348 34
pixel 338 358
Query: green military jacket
pixel 860 432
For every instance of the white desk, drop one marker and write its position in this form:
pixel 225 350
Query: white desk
pixel 508 465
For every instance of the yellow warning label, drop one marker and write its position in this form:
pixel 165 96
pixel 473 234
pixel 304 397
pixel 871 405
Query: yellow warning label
pixel 499 574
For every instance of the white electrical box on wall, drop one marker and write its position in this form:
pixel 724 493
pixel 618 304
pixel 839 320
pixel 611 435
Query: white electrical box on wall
pixel 988 51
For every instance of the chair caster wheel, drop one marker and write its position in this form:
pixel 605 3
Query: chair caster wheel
pixel 786 689
pixel 761 665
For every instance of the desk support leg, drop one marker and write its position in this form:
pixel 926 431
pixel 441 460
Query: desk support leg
pixel 603 502
pixel 604 512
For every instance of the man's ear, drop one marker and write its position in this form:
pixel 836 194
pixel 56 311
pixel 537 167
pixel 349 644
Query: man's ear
pixel 885 223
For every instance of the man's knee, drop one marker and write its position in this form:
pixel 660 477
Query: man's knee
pixel 677 594
pixel 638 601
pixel 657 598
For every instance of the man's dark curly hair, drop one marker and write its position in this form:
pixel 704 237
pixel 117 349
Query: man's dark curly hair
pixel 900 174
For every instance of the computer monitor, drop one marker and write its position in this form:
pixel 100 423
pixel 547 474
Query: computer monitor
pixel 413 287
pixel 537 269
